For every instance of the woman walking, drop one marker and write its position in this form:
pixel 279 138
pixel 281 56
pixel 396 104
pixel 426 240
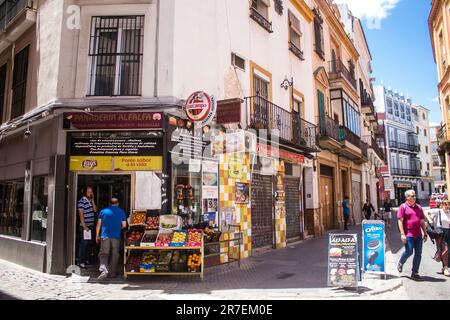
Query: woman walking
pixel 440 218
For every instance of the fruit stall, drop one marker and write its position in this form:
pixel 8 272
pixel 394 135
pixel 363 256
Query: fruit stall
pixel 158 246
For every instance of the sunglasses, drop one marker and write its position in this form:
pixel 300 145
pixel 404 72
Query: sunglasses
pixel 411 196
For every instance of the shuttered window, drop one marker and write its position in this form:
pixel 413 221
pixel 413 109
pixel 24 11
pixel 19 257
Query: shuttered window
pixel 2 90
pixel 19 85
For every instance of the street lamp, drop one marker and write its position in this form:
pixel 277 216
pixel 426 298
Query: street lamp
pixel 286 83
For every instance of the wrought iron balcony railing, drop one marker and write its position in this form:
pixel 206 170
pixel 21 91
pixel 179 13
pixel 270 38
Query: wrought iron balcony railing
pixel 295 50
pixel 379 151
pixel 10 9
pixel 339 70
pixel 406 172
pixel 261 20
pixel 291 127
pixel 328 128
pixel 404 146
pixel 346 135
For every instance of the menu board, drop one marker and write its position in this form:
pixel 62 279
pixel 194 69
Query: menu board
pixel 343 260
pixel 374 246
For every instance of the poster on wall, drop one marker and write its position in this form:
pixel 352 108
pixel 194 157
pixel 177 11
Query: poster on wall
pixel 210 193
pixel 374 246
pixel 242 194
pixel 343 268
pixel 227 218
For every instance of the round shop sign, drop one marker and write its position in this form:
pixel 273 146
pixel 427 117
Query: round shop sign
pixel 200 107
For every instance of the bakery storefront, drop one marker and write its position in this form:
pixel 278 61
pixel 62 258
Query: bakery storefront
pixel 117 154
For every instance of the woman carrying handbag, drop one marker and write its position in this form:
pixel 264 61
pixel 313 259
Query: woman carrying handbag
pixel 439 219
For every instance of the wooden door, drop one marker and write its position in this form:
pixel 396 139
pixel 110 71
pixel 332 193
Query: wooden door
pixel 326 199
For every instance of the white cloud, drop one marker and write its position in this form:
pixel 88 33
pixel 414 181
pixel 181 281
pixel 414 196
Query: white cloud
pixel 373 11
pixel 436 99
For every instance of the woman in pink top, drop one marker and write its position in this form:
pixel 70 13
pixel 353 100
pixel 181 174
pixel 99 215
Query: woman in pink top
pixel 411 223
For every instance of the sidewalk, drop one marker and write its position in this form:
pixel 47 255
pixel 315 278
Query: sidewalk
pixel 297 272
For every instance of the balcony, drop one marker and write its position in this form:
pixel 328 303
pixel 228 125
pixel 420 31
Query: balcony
pixel 354 149
pixel 376 148
pixel 367 107
pixel 290 126
pixel 261 20
pixel 404 146
pixel 16 16
pixel 443 136
pixel 405 172
pixel 339 71
pixel 329 134
pixel 296 51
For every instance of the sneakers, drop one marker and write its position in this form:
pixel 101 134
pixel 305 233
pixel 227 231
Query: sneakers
pixel 446 272
pixel 103 276
pixel 399 267
pixel 82 266
pixel 416 276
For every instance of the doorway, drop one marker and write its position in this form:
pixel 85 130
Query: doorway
pixel 327 197
pixel 104 186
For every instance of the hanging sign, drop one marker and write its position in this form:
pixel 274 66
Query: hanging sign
pixel 374 246
pixel 200 108
pixel 343 260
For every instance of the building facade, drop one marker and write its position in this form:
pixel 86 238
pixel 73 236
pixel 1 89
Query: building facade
pixel 438 23
pixel 438 165
pixel 422 124
pixel 93 95
pixel 403 170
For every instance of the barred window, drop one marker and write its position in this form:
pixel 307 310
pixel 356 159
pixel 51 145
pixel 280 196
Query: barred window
pixel 116 53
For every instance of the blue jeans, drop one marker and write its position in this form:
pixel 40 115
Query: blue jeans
pixel 85 246
pixel 413 243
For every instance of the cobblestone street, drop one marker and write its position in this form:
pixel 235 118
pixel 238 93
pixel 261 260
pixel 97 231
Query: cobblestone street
pixel 297 272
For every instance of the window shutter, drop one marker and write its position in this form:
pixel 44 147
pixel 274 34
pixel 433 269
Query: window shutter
pixel 294 23
pixel 266 2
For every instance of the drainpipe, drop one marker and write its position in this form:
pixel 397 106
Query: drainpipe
pixel 158 8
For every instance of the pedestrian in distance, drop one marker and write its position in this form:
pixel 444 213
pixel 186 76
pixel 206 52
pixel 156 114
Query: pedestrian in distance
pixel 413 230
pixel 388 212
pixel 367 209
pixel 440 219
pixel 110 223
pixel 86 210
pixel 346 210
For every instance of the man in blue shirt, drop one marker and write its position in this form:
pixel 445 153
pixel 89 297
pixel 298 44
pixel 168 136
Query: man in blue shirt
pixel 110 223
pixel 346 212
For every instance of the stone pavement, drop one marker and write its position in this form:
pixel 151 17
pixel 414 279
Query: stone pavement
pixel 297 272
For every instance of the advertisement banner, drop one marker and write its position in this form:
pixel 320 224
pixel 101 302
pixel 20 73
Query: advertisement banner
pixel 116 147
pixel 374 246
pixel 80 163
pixel 343 270
pixel 138 163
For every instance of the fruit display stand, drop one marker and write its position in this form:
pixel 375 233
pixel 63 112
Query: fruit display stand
pixel 157 259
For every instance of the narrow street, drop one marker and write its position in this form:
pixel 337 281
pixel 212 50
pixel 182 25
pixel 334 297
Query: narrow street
pixel 434 285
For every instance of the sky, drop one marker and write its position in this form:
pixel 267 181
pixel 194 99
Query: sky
pixel 400 44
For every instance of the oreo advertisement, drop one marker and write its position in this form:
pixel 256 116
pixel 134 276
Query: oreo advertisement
pixel 374 246
pixel 343 270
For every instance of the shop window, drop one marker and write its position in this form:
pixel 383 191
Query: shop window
pixel 402 111
pixel 116 53
pixel 396 109
pixel 186 191
pixel 11 207
pixel 19 85
pixel 295 36
pixel 408 114
pixel 2 90
pixel 425 132
pixel 39 208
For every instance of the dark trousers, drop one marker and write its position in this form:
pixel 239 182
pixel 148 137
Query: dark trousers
pixel 85 246
pixel 413 244
pixel 346 218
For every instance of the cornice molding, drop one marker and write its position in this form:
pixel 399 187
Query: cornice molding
pixel 304 9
